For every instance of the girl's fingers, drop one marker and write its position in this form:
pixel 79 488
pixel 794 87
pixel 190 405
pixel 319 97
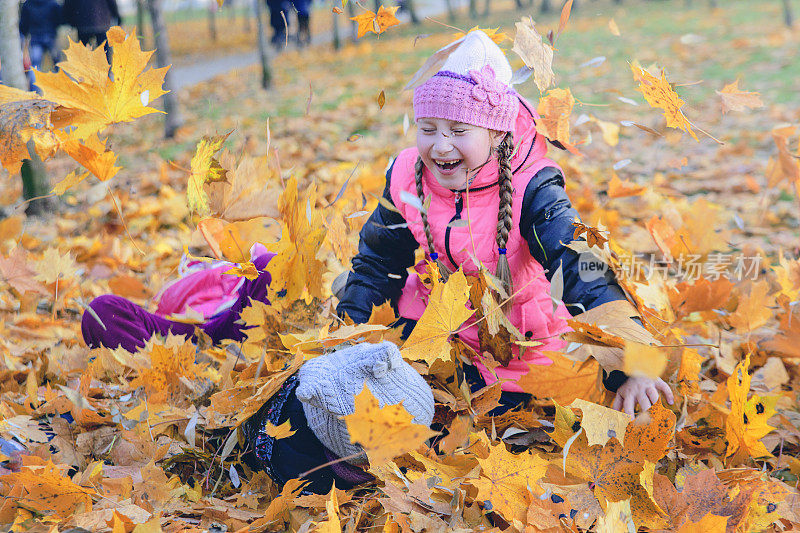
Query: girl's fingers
pixel 630 403
pixel 644 402
pixel 652 394
pixel 663 387
pixel 617 405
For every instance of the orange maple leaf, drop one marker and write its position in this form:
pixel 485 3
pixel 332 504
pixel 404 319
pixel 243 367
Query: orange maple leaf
pixel 659 93
pixel 555 109
pixel 376 22
pixel 734 99
pixel 594 236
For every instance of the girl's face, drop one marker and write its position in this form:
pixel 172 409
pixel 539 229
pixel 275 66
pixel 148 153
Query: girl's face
pixel 453 151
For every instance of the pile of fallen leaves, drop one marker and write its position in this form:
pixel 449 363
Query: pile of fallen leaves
pixel 149 441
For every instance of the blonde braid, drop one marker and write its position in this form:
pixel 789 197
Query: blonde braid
pixel 444 272
pixel 505 213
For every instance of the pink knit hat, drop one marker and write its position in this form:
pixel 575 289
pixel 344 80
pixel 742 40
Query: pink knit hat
pixel 473 86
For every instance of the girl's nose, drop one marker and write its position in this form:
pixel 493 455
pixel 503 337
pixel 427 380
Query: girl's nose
pixel 442 145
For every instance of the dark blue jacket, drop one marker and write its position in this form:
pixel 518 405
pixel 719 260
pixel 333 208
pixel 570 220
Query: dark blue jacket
pixel 40 19
pixel 386 249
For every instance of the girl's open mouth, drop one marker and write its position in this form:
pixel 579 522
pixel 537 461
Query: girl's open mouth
pixel 447 165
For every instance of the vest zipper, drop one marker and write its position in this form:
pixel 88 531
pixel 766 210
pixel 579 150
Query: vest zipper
pixel 457 216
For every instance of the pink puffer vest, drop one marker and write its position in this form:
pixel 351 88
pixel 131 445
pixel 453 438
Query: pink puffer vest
pixel 532 309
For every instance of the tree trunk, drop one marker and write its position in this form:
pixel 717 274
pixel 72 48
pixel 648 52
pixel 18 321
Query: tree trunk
pixel 140 24
pixel 519 4
pixel 263 45
pixel 712 4
pixel 411 12
pixel 34 178
pixel 486 8
pixel 546 7
pixel 351 12
pixel 247 18
pixel 212 21
pixel 335 39
pixel 788 17
pixel 473 9
pixel 173 120
pixel 451 15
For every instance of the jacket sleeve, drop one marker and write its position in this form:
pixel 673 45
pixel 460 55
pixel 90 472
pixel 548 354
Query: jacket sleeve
pixel 546 224
pixel 385 250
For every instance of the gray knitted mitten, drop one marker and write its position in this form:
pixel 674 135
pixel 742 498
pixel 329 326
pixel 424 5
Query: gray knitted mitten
pixel 329 383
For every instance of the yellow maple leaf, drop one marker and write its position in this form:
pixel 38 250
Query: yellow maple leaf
pixel 168 363
pixel 491 32
pixel 91 153
pixel 366 23
pixel 659 93
pixel 47 490
pixel 69 181
pixel 280 431
pixel 384 432
pixel 55 265
pixel 92 98
pixel 746 423
pixel 445 313
pixel 296 271
pixel 507 480
pixel 204 169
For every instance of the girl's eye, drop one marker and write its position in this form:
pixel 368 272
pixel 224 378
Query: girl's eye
pixel 458 131
pixel 427 130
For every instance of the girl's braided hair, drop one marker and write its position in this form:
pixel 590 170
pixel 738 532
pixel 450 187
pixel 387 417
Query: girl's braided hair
pixel 504 217
pixel 444 272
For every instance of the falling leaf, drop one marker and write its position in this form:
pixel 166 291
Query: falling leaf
pixel 612 25
pixel 445 313
pixel 594 236
pixel 381 99
pixel 384 432
pixel 621 189
pixel 96 99
pixel 376 22
pixel 69 181
pixel 734 99
pixel 555 109
pixel 245 270
pixel 204 169
pixel 565 13
pixel 535 53
pixel 644 360
pixel 491 32
pixel 659 93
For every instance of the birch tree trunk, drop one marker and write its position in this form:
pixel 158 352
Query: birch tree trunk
pixel 788 17
pixel 336 40
pixel 35 182
pixel 173 120
pixel 263 45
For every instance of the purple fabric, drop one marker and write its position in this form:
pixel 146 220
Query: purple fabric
pixel 346 471
pixel 129 326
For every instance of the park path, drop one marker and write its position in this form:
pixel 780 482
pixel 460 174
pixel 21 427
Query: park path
pixel 203 70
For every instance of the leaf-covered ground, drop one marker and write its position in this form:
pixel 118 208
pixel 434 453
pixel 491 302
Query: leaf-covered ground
pixel 150 438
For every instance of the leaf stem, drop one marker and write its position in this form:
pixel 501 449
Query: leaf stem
pixel 122 219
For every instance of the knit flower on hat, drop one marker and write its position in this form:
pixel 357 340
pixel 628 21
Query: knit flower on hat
pixel 486 86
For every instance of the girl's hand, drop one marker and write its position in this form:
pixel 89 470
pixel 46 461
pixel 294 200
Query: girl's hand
pixel 641 390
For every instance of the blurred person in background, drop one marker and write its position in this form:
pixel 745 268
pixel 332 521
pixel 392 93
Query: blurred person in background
pixel 92 19
pixel 38 24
